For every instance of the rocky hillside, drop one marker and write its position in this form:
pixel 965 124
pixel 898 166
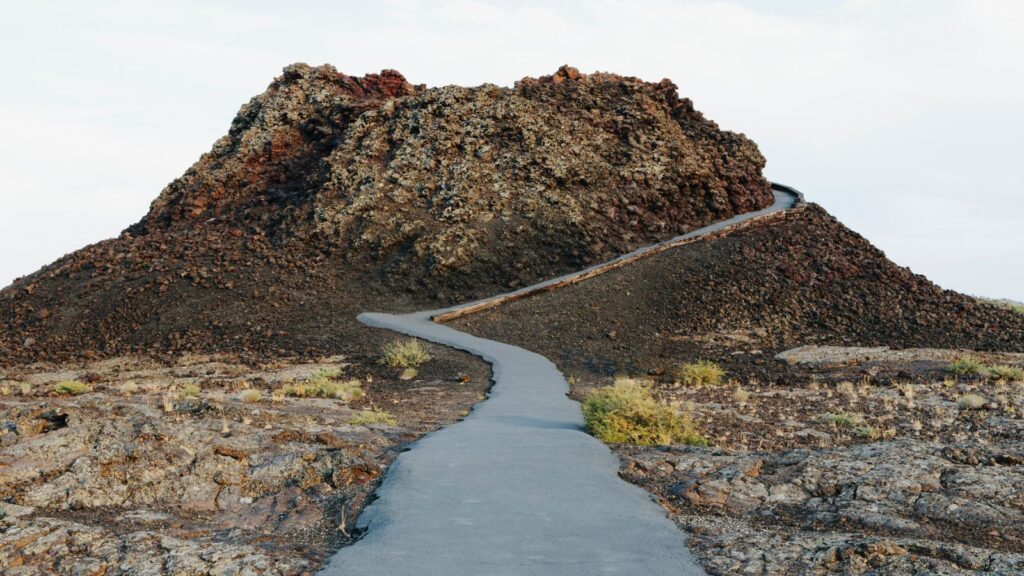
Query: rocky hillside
pixel 435 188
pixel 804 279
pixel 332 194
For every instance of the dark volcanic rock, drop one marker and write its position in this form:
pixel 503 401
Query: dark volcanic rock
pixel 332 194
pixel 802 280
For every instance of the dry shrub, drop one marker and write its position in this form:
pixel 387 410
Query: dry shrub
pixel 626 413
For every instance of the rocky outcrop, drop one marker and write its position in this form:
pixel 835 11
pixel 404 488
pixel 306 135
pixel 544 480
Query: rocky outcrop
pixel 331 193
pixel 439 185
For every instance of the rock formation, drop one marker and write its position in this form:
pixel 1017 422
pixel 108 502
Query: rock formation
pixel 330 194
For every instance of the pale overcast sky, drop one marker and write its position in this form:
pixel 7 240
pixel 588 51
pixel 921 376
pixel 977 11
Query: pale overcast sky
pixel 903 118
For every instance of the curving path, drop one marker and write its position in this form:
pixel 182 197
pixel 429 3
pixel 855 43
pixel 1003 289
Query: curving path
pixel 517 487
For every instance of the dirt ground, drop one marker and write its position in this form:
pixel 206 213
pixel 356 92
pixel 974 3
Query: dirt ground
pixel 144 474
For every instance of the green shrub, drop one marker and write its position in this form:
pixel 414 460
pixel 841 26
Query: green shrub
pixel 1007 373
pixel 702 373
pixel 404 354
pixel 626 413
pixel 72 387
pixel 375 416
pixel 966 367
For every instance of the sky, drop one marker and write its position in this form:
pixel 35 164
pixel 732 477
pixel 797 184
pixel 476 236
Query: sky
pixel 903 118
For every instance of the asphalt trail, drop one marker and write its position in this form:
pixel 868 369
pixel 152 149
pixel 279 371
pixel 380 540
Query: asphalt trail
pixel 517 487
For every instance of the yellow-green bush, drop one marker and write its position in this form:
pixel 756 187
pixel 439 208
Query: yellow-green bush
pixel 188 391
pixel 702 373
pixel 323 387
pixel 626 413
pixel 404 354
pixel 250 396
pixel 375 416
pixel 72 387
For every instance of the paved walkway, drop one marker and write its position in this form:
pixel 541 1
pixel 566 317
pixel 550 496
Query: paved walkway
pixel 517 488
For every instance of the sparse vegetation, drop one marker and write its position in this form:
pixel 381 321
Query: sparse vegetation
pixel 971 401
pixel 1006 373
pixel 404 354
pixel 967 367
pixel 330 373
pixel 374 416
pixel 188 391
pixel 322 387
pixel 167 401
pixel 842 419
pixel 855 423
pixel 702 373
pixel 408 374
pixel 626 413
pixel 250 396
pixel 740 395
pixel 1007 304
pixel 972 367
pixel 72 387
pixel 128 388
pixel 848 390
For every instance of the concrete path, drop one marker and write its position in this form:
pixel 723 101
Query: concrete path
pixel 516 488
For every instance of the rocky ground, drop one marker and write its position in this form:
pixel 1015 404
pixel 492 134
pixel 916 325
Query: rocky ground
pixel 205 466
pixel 869 461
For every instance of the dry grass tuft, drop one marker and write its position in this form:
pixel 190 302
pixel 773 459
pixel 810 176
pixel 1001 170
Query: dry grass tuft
pixel 188 391
pixel 702 373
pixel 72 387
pixel 321 387
pixel 741 396
pixel 404 354
pixel 855 423
pixel 250 396
pixel 971 401
pixel 371 417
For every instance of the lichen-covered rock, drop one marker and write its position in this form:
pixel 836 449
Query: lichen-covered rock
pixel 898 507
